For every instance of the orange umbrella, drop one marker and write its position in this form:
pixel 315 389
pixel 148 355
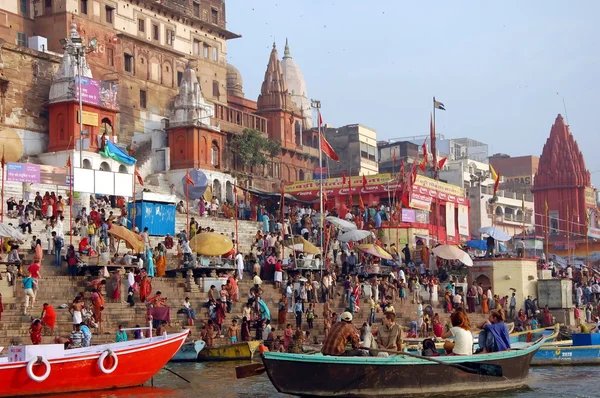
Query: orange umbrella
pixel 375 250
pixel 132 240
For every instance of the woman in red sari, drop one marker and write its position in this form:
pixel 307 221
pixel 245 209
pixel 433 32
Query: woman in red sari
pixel 145 287
pixel 116 294
pixel 547 317
pixel 35 332
pixel 48 316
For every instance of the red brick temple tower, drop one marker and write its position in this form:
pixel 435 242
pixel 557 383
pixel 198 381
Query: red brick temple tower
pixel 562 181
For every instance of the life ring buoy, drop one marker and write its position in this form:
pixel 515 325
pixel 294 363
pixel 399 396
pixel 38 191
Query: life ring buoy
pixel 32 375
pixel 104 355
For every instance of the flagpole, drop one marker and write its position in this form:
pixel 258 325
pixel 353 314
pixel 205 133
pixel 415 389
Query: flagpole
pixel 187 205
pixel 283 223
pixel 133 208
pixel 237 242
pixel 2 205
pixel 547 232
pixel 70 201
pixel 587 240
pixel 568 237
pixel 317 105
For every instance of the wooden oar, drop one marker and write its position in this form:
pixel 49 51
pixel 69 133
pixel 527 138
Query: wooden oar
pixel 255 369
pixel 483 369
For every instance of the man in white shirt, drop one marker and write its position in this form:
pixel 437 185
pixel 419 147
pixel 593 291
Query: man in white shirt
pixel 127 258
pixel 401 276
pixel 239 261
pixel 131 279
pixel 146 238
pixel 325 292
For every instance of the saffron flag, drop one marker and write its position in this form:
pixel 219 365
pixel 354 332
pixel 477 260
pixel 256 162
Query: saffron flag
pixel 328 150
pixel 493 173
pixel 343 178
pixel 362 204
pixel 139 177
pixel 188 179
pixel 438 105
pixel 402 170
pixel 68 165
pixel 424 162
pixel 234 189
pixel 320 119
pixel 364 181
pixel 413 174
pixel 442 162
pixel 405 199
pixel 496 184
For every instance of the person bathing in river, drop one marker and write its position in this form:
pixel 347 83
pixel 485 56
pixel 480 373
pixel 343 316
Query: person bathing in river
pixel 494 335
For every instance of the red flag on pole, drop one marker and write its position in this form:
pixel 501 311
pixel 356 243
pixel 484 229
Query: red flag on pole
pixel 362 204
pixel 413 173
pixel 425 160
pixel 320 119
pixel 343 179
pixel 442 162
pixel 328 150
pixel 188 179
pixel 364 181
pixel 139 176
pixel 68 165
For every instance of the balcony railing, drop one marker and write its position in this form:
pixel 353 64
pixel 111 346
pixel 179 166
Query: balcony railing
pixel 235 121
pixel 513 218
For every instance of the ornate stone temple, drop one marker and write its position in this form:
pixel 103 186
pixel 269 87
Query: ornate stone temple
pixel 563 182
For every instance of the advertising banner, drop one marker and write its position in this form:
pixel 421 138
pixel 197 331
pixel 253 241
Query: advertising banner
pixel 463 220
pixel 450 225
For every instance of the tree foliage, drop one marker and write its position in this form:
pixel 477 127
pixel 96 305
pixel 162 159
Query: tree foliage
pixel 252 148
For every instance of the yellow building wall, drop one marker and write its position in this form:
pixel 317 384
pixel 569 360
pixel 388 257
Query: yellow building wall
pixel 517 274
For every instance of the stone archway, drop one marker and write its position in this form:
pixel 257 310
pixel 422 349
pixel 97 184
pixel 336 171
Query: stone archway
pixel 229 191
pixel 104 166
pixel 485 281
pixel 217 190
pixel 123 169
pixel 87 164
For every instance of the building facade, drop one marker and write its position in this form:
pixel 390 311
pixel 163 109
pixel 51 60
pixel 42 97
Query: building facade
pixel 356 146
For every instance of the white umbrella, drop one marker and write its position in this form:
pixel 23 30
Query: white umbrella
pixel 354 235
pixel 341 224
pixel 7 231
pixel 496 233
pixel 450 252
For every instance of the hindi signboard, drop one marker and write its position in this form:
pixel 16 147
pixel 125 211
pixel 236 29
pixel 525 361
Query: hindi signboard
pixel 37 174
pixel 96 92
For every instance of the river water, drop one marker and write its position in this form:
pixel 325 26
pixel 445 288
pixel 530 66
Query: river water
pixel 218 380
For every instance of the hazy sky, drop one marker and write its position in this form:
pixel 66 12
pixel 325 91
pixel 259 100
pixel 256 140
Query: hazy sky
pixel 501 69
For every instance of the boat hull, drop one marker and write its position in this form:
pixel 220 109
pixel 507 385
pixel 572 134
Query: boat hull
pixel 567 356
pixel 318 375
pixel 189 352
pixel 231 352
pixel 78 370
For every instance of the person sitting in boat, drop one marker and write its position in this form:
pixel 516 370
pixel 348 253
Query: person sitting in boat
pixel 389 335
pixel 461 331
pixel 342 333
pixel 494 335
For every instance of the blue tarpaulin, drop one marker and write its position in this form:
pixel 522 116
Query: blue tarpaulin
pixel 114 152
pixel 481 244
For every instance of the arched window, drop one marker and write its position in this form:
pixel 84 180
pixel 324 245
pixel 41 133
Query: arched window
pixel 214 154
pixel 123 169
pixel 104 166
pixel 87 164
pixel 301 175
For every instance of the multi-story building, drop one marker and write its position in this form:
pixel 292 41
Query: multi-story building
pixel 517 172
pixel 400 150
pixel 180 103
pixel 356 145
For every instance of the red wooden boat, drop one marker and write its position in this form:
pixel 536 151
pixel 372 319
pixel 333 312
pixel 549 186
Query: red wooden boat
pixel 50 369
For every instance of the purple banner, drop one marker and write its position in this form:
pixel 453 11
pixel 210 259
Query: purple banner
pixel 408 215
pixel 22 172
pixel 90 90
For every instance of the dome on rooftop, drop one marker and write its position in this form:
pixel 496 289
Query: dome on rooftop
pixel 296 84
pixel 235 83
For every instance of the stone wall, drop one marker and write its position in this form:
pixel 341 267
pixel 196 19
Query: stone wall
pixel 25 78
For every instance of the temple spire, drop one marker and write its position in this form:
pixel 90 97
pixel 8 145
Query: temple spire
pixel 273 92
pixel 286 51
